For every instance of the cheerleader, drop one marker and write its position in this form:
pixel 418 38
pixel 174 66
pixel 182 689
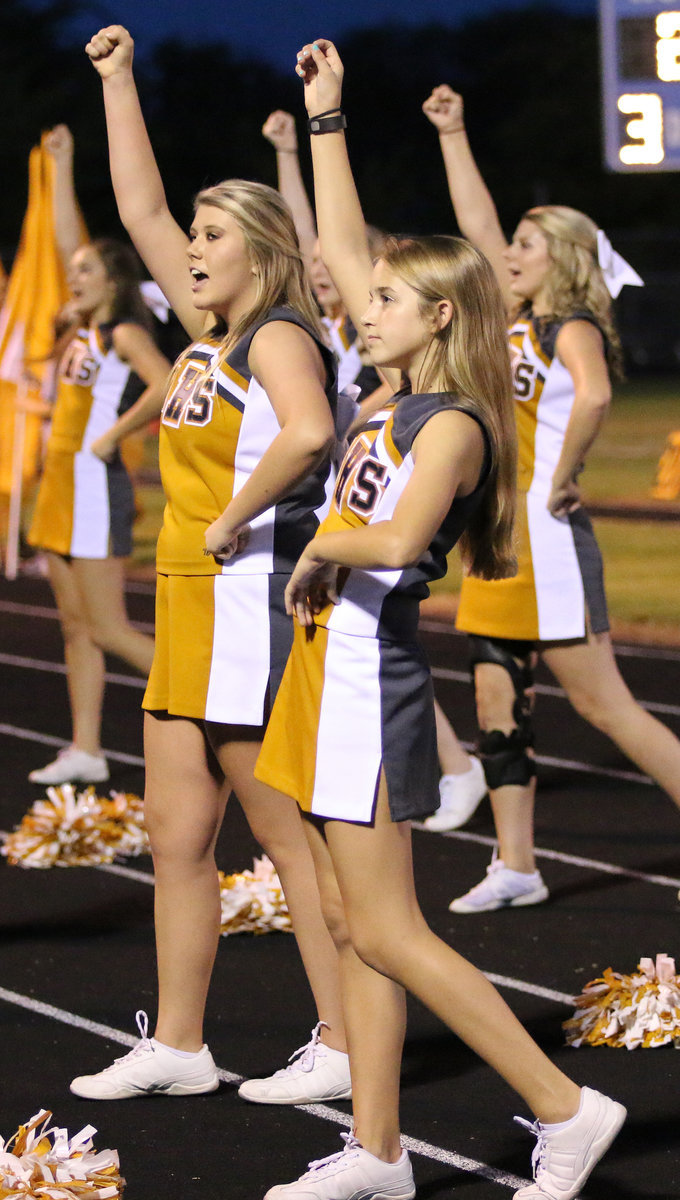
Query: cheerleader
pixel 245 435
pixel 109 373
pixel 462 785
pixel 357 689
pixel 563 345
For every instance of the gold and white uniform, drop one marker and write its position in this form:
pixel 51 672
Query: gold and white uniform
pixel 560 580
pixel 352 369
pixel 222 636
pixel 85 507
pixel 357 697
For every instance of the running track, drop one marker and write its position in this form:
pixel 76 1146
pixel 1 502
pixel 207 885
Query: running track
pixel 77 958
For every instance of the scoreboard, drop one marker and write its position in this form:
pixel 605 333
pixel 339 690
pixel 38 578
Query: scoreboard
pixel 640 46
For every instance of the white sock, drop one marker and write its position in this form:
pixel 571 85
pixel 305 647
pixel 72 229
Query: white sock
pixel 560 1124
pixel 179 1053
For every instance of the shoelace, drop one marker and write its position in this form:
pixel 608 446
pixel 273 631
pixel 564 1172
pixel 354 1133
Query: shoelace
pixel 143 1044
pixel 322 1166
pixel 539 1150
pixel 305 1056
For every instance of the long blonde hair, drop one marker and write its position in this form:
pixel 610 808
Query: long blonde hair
pixel 470 356
pixel 575 282
pixel 266 222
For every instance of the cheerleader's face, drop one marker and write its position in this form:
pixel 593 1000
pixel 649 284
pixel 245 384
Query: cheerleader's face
pixel 92 291
pixel 528 262
pixel 223 278
pixel 324 289
pixel 395 329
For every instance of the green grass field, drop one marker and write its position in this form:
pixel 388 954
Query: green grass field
pixel 642 557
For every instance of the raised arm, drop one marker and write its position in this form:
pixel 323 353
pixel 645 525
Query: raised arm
pixel 137 184
pixel 342 230
pixel 472 202
pixel 279 129
pixel 68 227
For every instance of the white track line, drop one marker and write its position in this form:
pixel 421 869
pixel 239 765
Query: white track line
pixel 545 760
pixel 506 981
pixel 323 1111
pixel 518 985
pixel 575 860
pixel 663 653
pixel 126 872
pixel 48 739
pixel 546 689
pixel 51 614
pixel 53 668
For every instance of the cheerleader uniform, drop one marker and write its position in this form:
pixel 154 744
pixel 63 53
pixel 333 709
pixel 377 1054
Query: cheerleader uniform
pixel 85 507
pixel 222 634
pixel 559 584
pixel 357 695
pixel 351 369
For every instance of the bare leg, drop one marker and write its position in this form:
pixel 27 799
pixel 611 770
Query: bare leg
pixel 590 677
pixel 84 659
pixel 513 804
pixel 374 872
pixel 101 582
pixel 453 759
pixel 184 806
pixel 375 1021
pixel 276 824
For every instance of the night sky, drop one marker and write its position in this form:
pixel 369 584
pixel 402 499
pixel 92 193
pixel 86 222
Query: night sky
pixel 273 30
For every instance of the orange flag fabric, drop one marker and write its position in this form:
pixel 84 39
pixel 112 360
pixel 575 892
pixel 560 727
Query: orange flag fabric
pixel 36 291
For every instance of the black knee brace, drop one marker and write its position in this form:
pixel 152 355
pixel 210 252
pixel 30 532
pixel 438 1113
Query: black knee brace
pixel 504 755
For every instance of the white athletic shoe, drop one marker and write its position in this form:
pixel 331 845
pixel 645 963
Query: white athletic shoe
pixel 563 1160
pixel 351 1174
pixel 72 766
pixel 459 797
pixel 150 1068
pixel 501 888
pixel 314 1072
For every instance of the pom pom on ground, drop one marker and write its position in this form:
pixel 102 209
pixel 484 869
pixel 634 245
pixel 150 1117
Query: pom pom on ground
pixel 253 901
pixel 629 1010
pixel 41 1162
pixel 77 829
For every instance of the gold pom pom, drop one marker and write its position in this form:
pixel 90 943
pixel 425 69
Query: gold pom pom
pixel 41 1162
pixel 253 901
pixel 77 829
pixel 629 1010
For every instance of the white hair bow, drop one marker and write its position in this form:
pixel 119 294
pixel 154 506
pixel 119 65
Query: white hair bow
pixel 616 271
pixel 155 299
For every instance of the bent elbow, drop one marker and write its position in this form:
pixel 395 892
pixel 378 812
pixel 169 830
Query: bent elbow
pixel 600 404
pixel 401 552
pixel 316 442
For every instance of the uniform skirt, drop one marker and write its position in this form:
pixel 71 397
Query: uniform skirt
pixel 221 646
pixel 559 586
pixel 85 507
pixel 347 707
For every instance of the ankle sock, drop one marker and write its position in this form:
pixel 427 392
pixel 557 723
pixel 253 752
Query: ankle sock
pixel 172 1050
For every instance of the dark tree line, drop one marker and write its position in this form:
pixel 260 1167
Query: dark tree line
pixel 530 81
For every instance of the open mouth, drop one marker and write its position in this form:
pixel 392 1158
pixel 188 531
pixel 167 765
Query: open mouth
pixel 198 275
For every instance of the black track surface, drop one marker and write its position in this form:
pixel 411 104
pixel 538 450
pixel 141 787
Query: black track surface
pixel 81 940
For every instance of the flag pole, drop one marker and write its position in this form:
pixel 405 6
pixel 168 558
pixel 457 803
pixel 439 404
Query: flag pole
pixel 15 497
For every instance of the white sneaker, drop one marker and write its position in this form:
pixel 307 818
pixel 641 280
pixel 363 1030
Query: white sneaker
pixel 149 1068
pixel 563 1160
pixel 314 1072
pixel 72 766
pixel 459 797
pixel 501 888
pixel 351 1174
